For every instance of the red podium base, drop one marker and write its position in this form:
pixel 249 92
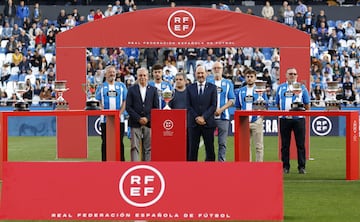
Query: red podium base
pixel 168 135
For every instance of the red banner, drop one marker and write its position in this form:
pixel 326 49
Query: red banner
pixel 129 191
pixel 168 135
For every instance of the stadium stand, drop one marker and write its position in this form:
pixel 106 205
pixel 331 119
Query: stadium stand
pixel 339 48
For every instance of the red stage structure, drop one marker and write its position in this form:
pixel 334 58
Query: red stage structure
pixel 242 135
pixel 112 126
pixel 168 27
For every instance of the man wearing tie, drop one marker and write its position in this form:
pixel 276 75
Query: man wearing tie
pixel 201 101
pixel 140 100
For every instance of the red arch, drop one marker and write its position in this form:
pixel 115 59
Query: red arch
pixel 149 28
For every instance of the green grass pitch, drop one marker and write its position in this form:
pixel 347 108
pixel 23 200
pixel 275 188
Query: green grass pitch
pixel 322 194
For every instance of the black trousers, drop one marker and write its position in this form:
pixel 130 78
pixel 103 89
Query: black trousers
pixel 103 141
pixel 298 127
pixel 194 140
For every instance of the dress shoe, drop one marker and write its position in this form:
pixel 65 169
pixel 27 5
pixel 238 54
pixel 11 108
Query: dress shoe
pixel 302 171
pixel 286 171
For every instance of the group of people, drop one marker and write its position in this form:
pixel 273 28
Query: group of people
pixel 207 102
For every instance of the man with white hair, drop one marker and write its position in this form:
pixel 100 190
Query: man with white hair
pixel 225 99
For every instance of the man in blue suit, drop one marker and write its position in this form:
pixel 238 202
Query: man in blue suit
pixel 141 99
pixel 201 101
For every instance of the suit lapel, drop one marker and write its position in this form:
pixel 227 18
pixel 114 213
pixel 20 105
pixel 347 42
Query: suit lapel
pixel 147 93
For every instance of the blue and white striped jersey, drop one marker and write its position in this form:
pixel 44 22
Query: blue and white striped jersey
pixel 284 97
pixel 245 97
pixel 225 92
pixel 111 97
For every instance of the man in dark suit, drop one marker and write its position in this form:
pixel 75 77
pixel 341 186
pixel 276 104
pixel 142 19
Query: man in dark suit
pixel 201 100
pixel 141 98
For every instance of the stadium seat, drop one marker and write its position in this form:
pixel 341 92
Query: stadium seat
pixel 13 78
pixel 348 21
pixel 323 49
pixel 2 58
pixel 268 62
pixel 8 58
pixel 350 42
pixel 267 53
pixel 14 70
pixel 331 23
pixel 22 77
pixel 3 43
pixel 48 57
pixel 351 62
pixel 95 51
pixel 55 23
pixel 343 43
pixel 35 70
pixel 337 22
pixel 35 100
pixel 247 63
pixel 358 42
pixel 10 87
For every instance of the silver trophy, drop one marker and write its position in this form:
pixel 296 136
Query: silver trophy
pixel 21 105
pixel 91 103
pixel 297 105
pixel 167 96
pixel 260 88
pixel 331 103
pixel 60 88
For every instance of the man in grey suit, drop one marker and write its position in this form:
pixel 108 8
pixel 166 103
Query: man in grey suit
pixel 141 99
pixel 201 100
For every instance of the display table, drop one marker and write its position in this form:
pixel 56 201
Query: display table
pixel 242 134
pixel 112 128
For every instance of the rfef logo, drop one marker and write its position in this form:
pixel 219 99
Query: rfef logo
pixel 168 124
pixel 321 126
pixel 142 186
pixel 181 23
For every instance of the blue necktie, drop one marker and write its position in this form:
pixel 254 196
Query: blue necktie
pixel 201 90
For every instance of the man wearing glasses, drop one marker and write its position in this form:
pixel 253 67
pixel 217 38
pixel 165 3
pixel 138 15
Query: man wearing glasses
pixel 284 98
pixel 225 99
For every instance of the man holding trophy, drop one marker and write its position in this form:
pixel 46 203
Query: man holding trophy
pixel 160 84
pixel 112 96
pixel 292 95
pixel 248 98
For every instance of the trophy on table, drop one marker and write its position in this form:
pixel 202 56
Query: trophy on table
pixel 297 105
pixel 21 105
pixel 60 88
pixel 91 103
pixel 260 88
pixel 167 96
pixel 331 103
